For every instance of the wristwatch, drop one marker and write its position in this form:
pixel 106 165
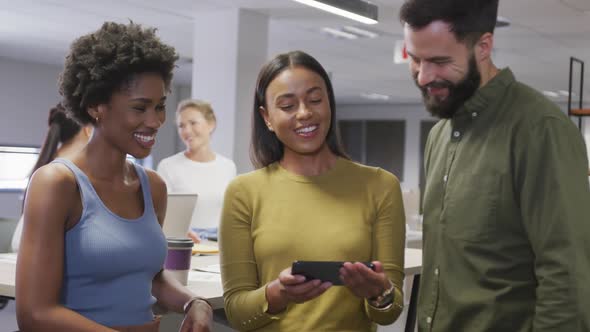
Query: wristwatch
pixel 189 303
pixel 385 299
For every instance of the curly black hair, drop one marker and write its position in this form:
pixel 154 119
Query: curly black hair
pixel 107 60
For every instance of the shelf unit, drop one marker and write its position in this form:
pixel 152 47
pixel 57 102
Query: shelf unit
pixel 580 112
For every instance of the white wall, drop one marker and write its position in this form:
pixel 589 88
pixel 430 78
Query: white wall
pixel 29 90
pixel 230 46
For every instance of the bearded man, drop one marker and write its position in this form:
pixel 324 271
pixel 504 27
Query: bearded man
pixel 506 203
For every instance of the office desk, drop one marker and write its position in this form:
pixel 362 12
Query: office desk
pixel 210 287
pixel 208 284
pixel 7 271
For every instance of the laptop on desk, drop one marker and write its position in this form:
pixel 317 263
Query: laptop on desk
pixel 179 213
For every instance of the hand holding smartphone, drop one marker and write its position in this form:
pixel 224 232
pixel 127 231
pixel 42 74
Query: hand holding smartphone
pixel 322 270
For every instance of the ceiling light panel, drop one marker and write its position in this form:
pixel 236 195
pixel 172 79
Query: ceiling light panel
pixel 375 96
pixel 339 33
pixel 360 32
pixel 358 10
pixel 551 94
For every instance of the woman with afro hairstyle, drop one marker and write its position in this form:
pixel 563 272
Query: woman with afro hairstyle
pixel 92 246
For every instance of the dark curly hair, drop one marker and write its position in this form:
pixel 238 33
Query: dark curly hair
pixel 469 19
pixel 106 61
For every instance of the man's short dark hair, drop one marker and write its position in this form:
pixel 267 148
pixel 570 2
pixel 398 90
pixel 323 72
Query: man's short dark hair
pixel 468 19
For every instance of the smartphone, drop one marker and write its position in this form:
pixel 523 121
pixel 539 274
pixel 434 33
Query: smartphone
pixel 322 270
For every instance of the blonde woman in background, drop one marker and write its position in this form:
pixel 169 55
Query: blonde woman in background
pixel 198 169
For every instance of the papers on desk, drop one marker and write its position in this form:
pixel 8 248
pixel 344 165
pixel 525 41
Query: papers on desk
pixel 413 235
pixel 210 248
pixel 215 268
pixel 8 258
pixel 198 276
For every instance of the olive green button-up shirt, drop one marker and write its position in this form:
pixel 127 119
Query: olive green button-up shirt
pixel 506 217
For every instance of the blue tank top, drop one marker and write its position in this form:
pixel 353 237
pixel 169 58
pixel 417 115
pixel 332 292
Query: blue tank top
pixel 110 261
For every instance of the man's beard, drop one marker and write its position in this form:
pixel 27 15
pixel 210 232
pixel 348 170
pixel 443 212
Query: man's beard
pixel 458 92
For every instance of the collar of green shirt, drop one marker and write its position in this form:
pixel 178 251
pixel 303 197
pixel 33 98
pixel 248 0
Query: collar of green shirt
pixel 482 98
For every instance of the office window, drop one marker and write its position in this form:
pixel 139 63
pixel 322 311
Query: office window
pixel 386 145
pixel 17 162
pixel 379 143
pixel 352 139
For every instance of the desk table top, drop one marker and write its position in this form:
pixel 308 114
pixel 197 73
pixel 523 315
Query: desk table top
pixel 205 284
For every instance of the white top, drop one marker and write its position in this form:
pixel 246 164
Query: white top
pixel 17 235
pixel 207 179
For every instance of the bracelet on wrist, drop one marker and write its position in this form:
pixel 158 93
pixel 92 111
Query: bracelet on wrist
pixel 385 299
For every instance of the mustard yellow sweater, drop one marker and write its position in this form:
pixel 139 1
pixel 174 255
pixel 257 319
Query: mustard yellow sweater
pixel 272 217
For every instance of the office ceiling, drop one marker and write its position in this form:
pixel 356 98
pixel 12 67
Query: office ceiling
pixel 537 45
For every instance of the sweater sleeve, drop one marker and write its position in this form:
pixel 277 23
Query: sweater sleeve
pixel 388 245
pixel 244 297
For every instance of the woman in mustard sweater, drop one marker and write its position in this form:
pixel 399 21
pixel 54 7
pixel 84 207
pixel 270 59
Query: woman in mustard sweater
pixel 308 201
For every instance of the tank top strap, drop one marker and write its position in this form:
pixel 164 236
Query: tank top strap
pixel 87 193
pixel 145 188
